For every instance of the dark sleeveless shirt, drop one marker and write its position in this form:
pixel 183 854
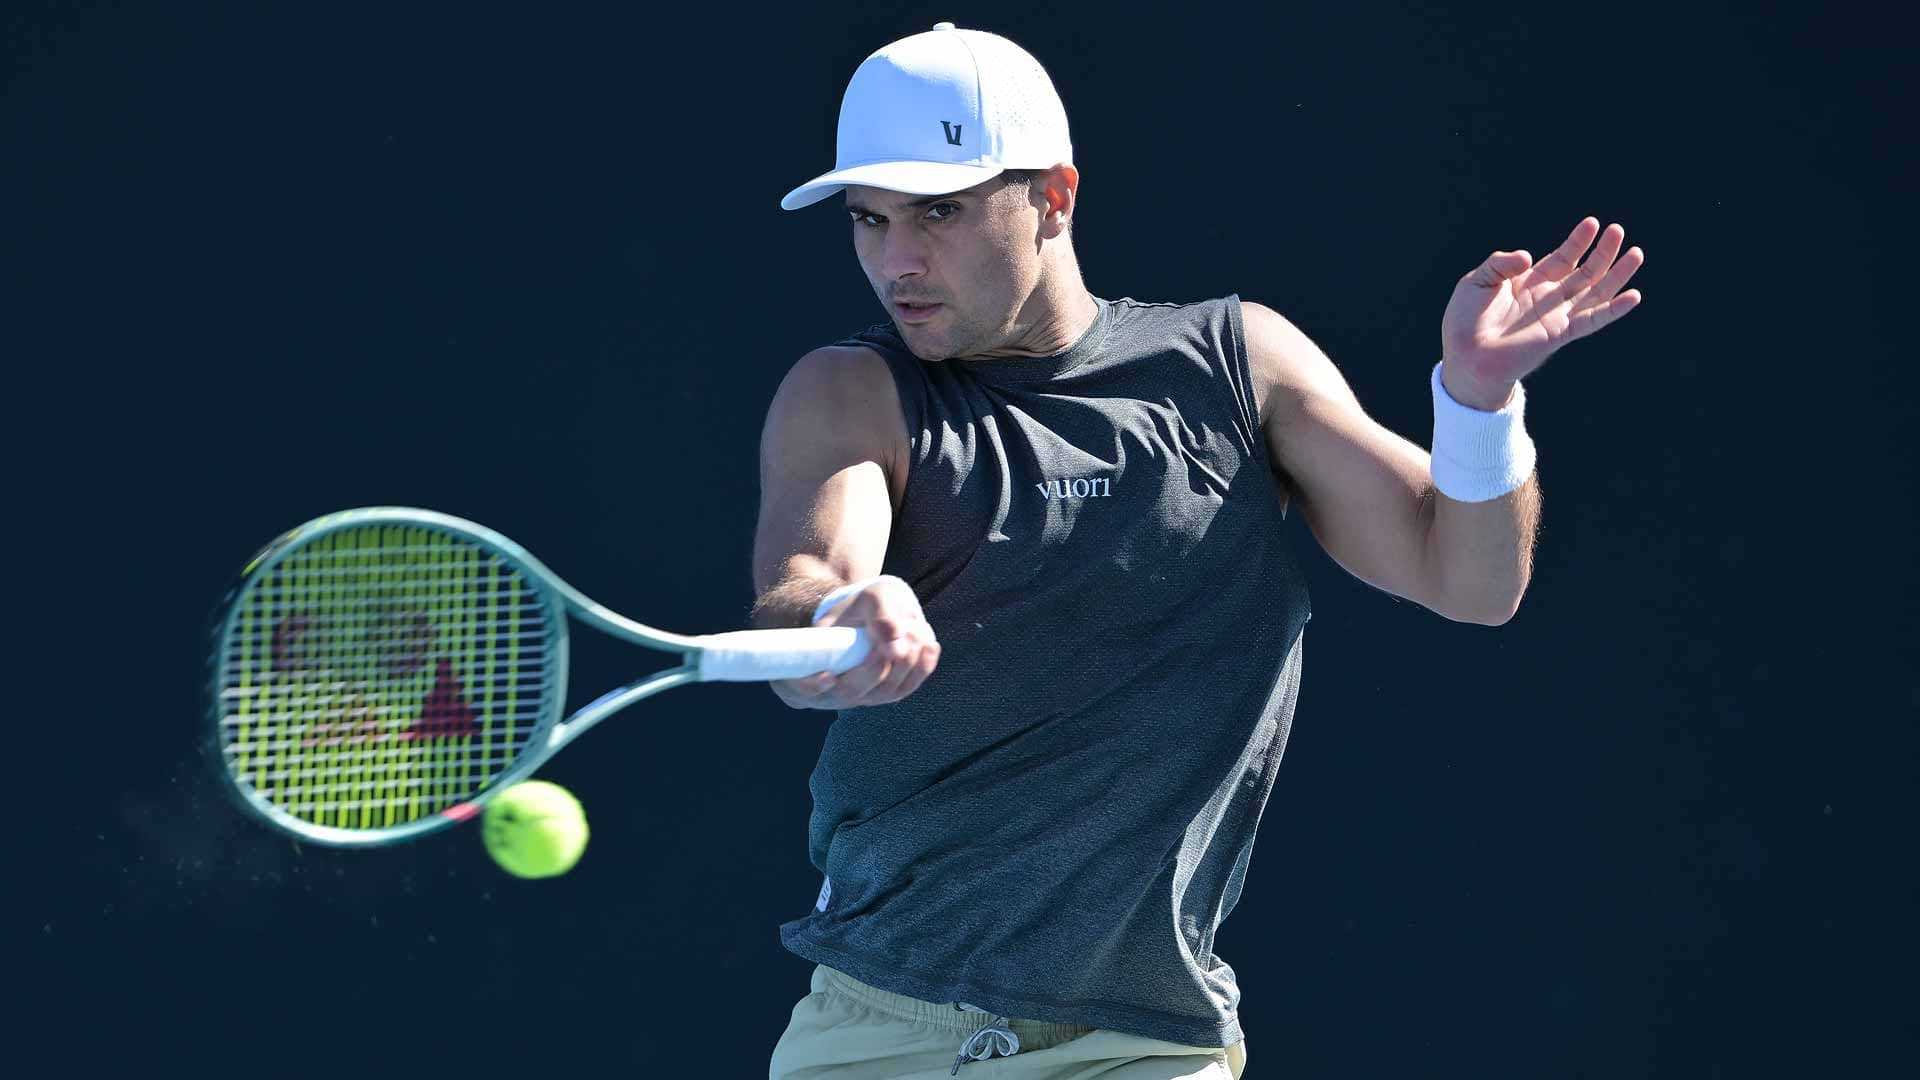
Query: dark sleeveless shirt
pixel 1056 823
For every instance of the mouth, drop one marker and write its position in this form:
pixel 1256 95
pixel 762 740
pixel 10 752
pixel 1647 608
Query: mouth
pixel 914 312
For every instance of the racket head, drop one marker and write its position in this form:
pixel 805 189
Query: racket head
pixel 377 672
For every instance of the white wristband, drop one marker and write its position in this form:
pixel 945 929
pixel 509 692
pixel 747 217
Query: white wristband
pixel 833 599
pixel 1479 455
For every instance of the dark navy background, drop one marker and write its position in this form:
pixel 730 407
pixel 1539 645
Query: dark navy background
pixel 526 265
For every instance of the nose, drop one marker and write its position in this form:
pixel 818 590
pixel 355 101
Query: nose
pixel 903 253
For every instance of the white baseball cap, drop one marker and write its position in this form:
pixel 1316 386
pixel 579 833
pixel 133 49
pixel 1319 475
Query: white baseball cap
pixel 942 111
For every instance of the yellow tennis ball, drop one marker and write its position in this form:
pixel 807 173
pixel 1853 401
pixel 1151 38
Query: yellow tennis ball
pixel 534 829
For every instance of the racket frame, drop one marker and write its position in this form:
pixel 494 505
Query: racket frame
pixel 550 734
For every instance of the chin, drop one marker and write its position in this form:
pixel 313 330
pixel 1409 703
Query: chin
pixel 926 347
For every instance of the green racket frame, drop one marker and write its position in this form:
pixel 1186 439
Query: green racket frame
pixel 749 655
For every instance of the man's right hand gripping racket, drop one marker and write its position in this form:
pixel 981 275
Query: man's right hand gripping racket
pixel 378 674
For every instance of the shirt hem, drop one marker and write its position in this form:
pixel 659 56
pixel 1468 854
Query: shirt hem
pixel 1183 1031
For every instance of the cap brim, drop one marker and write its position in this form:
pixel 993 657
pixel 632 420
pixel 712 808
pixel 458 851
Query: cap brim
pixel 910 177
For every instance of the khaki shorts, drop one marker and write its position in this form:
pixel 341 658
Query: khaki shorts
pixel 848 1030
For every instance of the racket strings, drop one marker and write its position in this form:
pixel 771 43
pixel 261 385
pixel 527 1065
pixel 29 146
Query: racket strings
pixel 380 674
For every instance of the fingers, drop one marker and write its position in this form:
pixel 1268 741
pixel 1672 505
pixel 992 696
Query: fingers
pixel 856 685
pixel 1565 257
pixel 1573 283
pixel 903 655
pixel 913 661
pixel 921 667
pixel 1618 274
pixel 893 670
pixel 1601 302
pixel 808 693
pixel 1603 255
pixel 1499 266
pixel 1589 319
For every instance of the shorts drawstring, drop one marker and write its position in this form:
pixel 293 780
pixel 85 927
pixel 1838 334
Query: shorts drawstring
pixel 996 1036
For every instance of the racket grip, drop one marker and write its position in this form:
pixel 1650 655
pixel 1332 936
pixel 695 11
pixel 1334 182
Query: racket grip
pixel 761 655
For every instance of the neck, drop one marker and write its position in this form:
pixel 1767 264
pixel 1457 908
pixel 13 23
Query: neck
pixel 1053 318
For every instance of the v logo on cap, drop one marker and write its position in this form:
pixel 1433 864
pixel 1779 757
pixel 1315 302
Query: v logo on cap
pixel 953 133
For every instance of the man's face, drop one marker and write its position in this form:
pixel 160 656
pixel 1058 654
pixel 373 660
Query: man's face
pixel 952 270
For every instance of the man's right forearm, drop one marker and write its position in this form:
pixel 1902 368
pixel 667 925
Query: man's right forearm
pixel 791 601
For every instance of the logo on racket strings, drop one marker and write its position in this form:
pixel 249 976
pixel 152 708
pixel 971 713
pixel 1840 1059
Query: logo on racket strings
pixel 344 706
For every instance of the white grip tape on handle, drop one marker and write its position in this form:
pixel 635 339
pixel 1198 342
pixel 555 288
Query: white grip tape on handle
pixel 840 595
pixel 761 655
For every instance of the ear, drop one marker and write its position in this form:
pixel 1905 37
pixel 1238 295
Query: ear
pixel 1056 191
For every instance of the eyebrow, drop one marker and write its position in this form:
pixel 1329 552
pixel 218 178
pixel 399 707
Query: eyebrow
pixel 925 200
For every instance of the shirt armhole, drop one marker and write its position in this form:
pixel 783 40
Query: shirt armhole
pixel 1240 374
pixel 910 389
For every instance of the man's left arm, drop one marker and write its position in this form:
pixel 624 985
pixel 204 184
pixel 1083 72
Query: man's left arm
pixel 1452 530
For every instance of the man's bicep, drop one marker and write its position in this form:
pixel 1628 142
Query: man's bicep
pixel 830 453
pixel 1364 491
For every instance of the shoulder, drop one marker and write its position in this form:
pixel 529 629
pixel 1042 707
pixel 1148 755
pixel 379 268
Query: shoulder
pixel 840 402
pixel 1188 310
pixel 1287 368
pixel 841 383
pixel 1211 326
pixel 837 376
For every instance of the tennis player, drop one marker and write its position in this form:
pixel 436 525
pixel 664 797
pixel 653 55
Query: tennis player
pixel 1060 516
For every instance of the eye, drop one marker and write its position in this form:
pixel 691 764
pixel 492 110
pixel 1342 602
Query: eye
pixel 869 220
pixel 942 211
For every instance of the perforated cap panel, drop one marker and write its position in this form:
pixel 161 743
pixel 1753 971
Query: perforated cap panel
pixel 1019 103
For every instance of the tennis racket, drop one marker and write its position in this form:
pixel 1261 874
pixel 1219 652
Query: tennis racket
pixel 378 674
